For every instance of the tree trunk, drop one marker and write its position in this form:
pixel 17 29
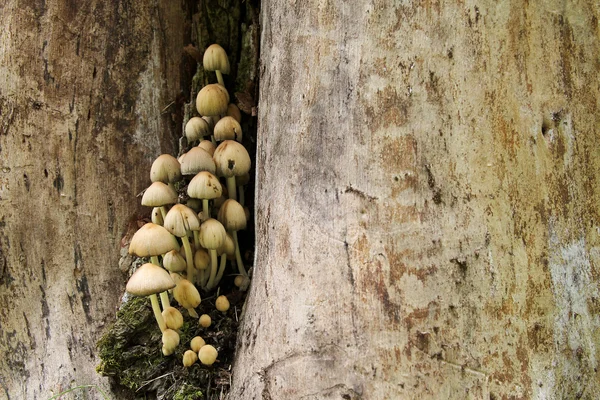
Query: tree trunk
pixel 428 202
pixel 84 92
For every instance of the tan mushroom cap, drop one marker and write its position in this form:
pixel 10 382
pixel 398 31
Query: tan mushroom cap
pixel 231 159
pixel 170 340
pixel 173 318
pixel 232 215
pixel 196 160
pixel 222 303
pixel 152 240
pixel 181 219
pixel 234 111
pixel 228 248
pixel 208 354
pixel 196 128
pixel 215 58
pixel 186 294
pixel 201 259
pixel 205 186
pixel 208 146
pixel 228 129
pixel 212 100
pixel 197 342
pixel 149 279
pixel 174 262
pixel 189 358
pixel 165 169
pixel 212 234
pixel 156 216
pixel 159 194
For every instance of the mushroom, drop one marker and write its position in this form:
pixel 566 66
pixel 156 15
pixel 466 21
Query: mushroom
pixel 212 101
pixel 205 186
pixel 215 59
pixel 202 262
pixel 156 216
pixel 222 304
pixel 165 169
pixel 228 129
pixel 233 218
pixel 179 221
pixel 212 236
pixel 148 280
pixel 173 318
pixel 187 296
pixel 170 340
pixel 196 160
pixel 197 343
pixel 231 159
pixel 196 128
pixel 208 354
pixel 189 358
pixel 227 251
pixel 234 111
pixel 159 195
pixel 208 146
pixel 205 320
pixel 174 262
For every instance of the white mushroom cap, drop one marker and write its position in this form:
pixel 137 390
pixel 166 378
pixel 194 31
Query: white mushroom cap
pixel 212 100
pixel 149 279
pixel 181 219
pixel 159 194
pixel 208 146
pixel 165 169
pixel 208 354
pixel 212 234
pixel 228 129
pixel 174 262
pixel 215 58
pixel 232 215
pixel 231 159
pixel 205 186
pixel 196 128
pixel 196 160
pixel 152 240
pixel 186 294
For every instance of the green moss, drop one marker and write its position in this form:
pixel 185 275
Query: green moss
pixel 188 392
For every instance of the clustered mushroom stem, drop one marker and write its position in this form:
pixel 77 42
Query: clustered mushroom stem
pixel 196 239
pixel 163 211
pixel 231 188
pixel 157 314
pixel 164 299
pixel 205 208
pixel 154 260
pixel 213 269
pixel 189 258
pixel 221 269
pixel 238 256
pixel 220 77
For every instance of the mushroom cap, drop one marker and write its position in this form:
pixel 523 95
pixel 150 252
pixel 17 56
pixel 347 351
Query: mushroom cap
pixel 212 100
pixel 165 169
pixel 205 320
pixel 232 215
pixel 174 262
pixel 156 216
pixel 212 234
pixel 186 294
pixel 231 159
pixel 189 358
pixel 228 129
pixel 222 303
pixel 215 58
pixel 201 259
pixel 208 354
pixel 170 340
pixel 181 219
pixel 196 128
pixel 152 240
pixel 159 194
pixel 196 343
pixel 205 186
pixel 173 318
pixel 196 160
pixel 228 248
pixel 234 111
pixel 208 146
pixel 149 279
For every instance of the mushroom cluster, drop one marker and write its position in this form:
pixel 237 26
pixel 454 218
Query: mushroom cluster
pixel 197 205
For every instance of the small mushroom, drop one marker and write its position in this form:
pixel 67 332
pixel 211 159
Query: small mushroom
pixel 228 129
pixel 196 128
pixel 197 343
pixel 179 221
pixel 170 340
pixel 215 59
pixel 233 218
pixel 189 358
pixel 173 318
pixel 165 169
pixel 159 195
pixel 222 304
pixel 208 354
pixel 231 159
pixel 212 236
pixel 186 294
pixel 205 320
pixel 205 186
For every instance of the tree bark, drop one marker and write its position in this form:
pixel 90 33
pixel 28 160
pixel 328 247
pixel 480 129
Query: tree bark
pixel 427 205
pixel 85 89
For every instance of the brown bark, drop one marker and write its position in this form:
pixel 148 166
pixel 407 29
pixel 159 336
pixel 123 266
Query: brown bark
pixel 427 208
pixel 84 90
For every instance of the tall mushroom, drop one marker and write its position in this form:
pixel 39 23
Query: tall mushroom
pixel 148 280
pixel 233 218
pixel 159 194
pixel 215 59
pixel 165 169
pixel 205 186
pixel 212 236
pixel 180 220
pixel 231 159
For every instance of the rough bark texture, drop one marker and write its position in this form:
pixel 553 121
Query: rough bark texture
pixel 83 91
pixel 427 212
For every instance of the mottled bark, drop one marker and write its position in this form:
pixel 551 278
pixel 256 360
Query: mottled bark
pixel 428 202
pixel 84 90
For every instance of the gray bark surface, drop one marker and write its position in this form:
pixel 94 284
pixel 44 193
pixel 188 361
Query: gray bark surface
pixel 427 202
pixel 84 87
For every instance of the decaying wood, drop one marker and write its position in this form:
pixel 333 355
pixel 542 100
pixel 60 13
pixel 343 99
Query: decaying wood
pixel 428 202
pixel 82 87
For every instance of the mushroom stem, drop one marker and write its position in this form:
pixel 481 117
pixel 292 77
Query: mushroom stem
pixel 192 313
pixel 238 255
pixel 164 299
pixel 241 191
pixel 220 77
pixel 163 211
pixel 205 208
pixel 157 314
pixel 231 188
pixel 213 268
pixel 154 260
pixel 221 269
pixel 196 240
pixel 189 258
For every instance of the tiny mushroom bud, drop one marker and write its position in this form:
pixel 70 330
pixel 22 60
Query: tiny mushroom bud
pixel 156 216
pixel 173 318
pixel 170 340
pixel 189 358
pixel 222 304
pixel 174 262
pixel 196 128
pixel 208 354
pixel 186 294
pixel 197 343
pixel 205 320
